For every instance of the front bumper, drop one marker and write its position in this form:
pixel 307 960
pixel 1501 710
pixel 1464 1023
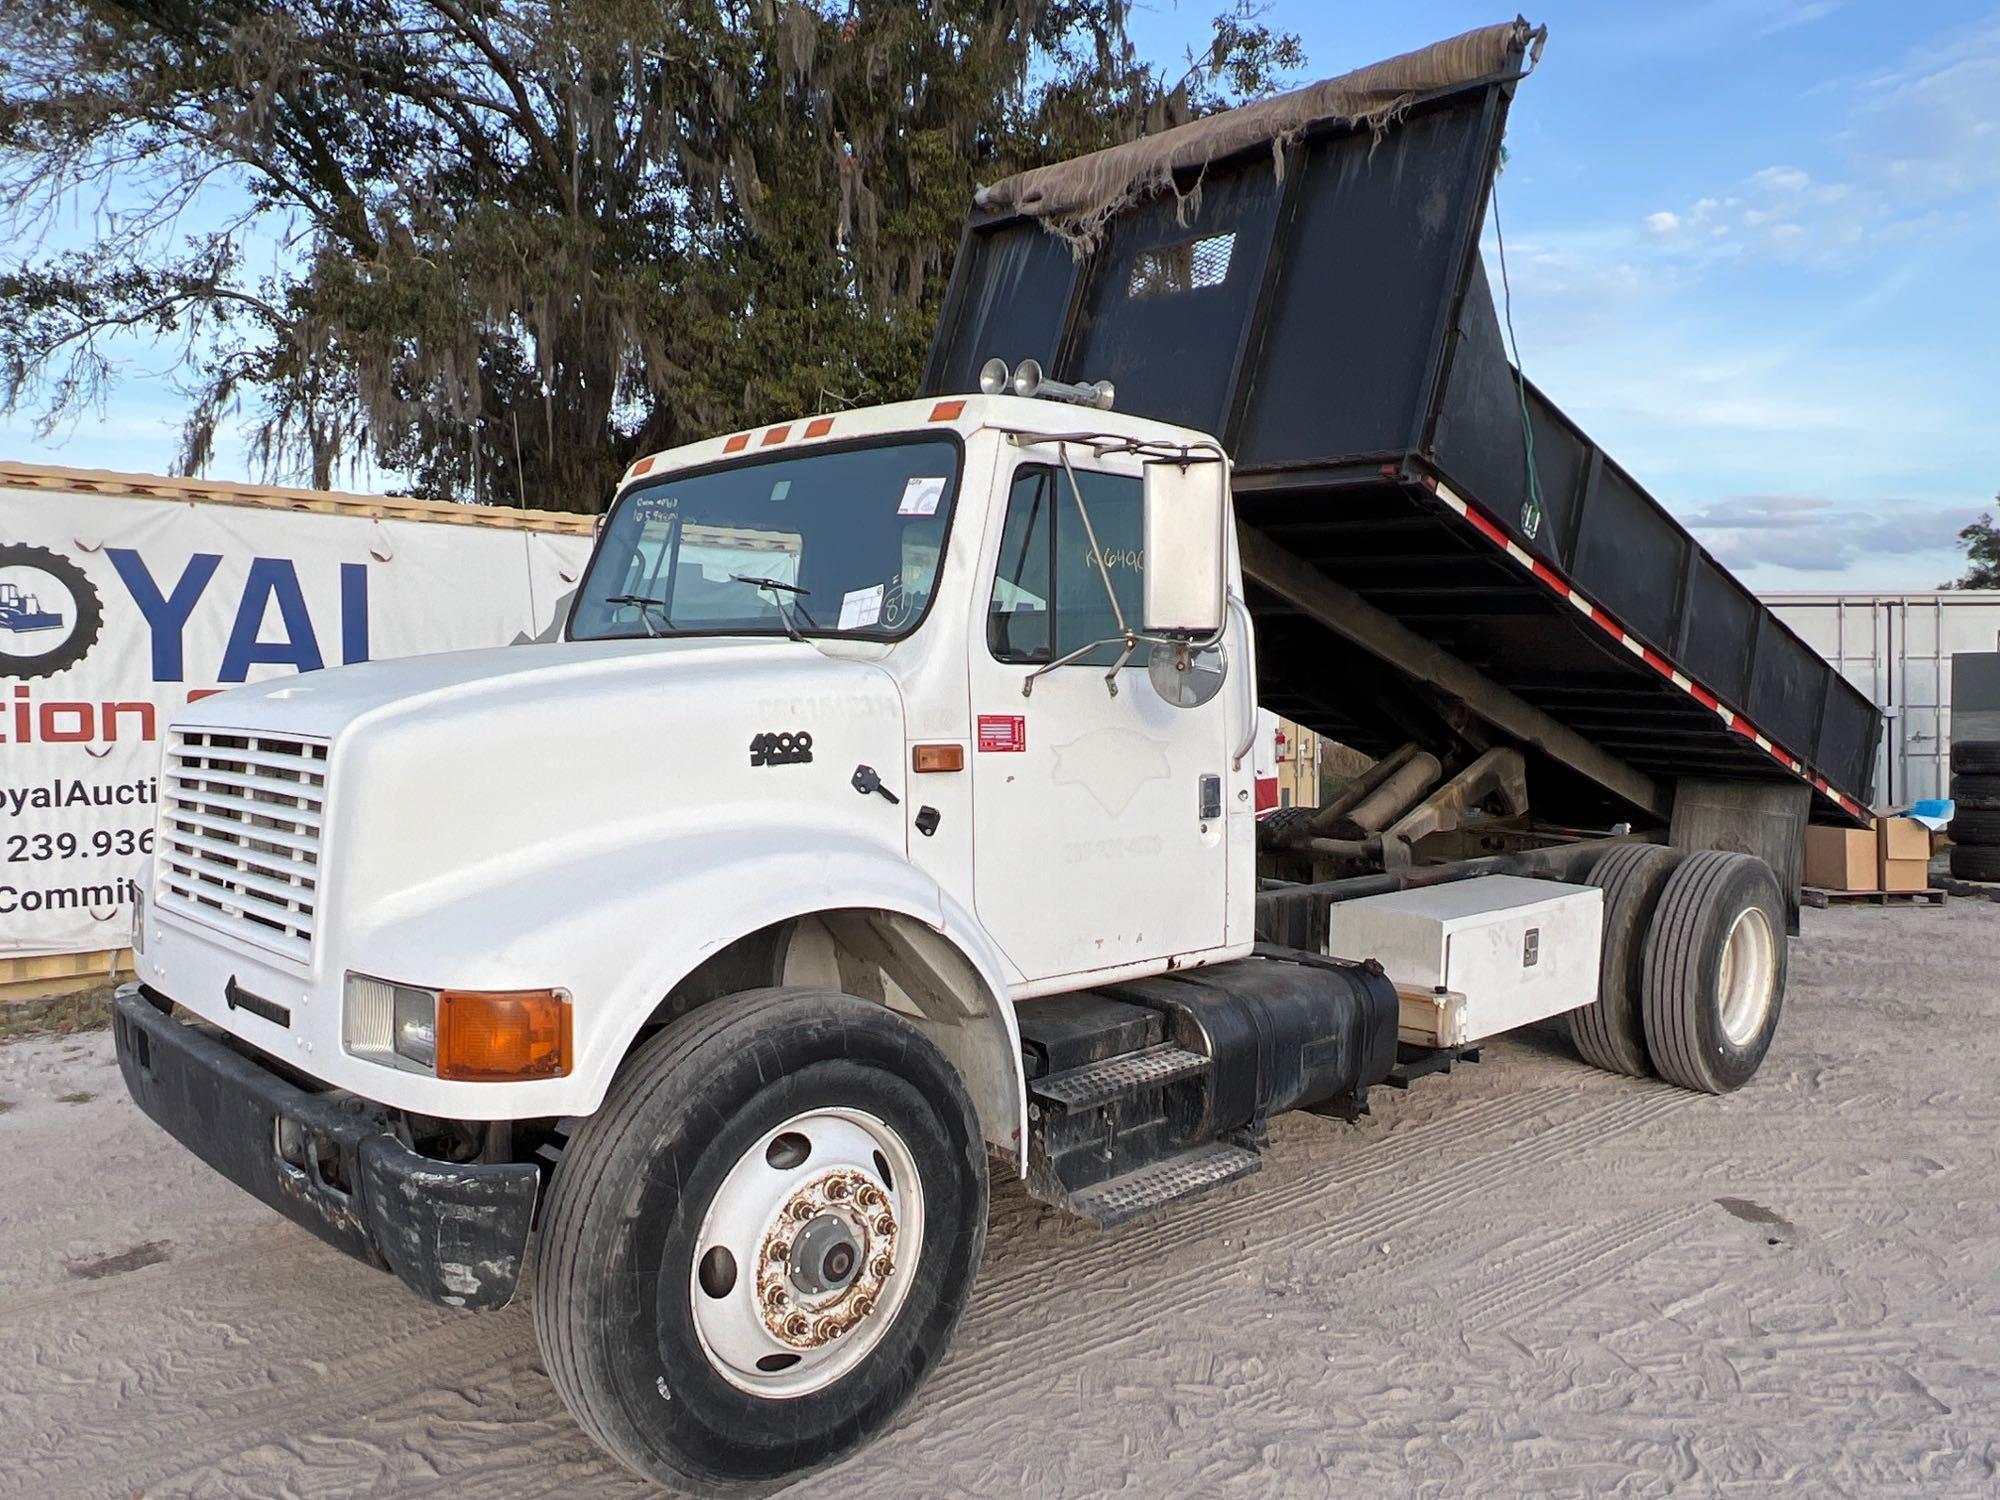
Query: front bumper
pixel 455 1232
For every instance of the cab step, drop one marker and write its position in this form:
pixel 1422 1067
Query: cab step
pixel 1187 1175
pixel 1110 1078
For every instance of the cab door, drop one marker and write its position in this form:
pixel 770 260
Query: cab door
pixel 1099 824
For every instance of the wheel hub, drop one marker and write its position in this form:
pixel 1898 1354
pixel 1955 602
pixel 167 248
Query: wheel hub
pixel 825 1258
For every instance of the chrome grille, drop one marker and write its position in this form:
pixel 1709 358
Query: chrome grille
pixel 239 834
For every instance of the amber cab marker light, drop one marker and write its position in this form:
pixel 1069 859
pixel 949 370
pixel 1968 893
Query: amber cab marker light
pixel 947 411
pixel 938 758
pixel 495 1036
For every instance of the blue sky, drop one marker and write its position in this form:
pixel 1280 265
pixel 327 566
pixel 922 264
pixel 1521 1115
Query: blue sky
pixel 1755 251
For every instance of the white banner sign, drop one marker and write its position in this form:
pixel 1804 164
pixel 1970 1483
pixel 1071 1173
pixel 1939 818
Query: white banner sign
pixel 116 612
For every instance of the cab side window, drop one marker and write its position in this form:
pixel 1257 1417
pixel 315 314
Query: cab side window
pixel 1048 596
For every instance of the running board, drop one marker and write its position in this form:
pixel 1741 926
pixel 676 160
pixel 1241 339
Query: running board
pixel 1112 1078
pixel 1177 1178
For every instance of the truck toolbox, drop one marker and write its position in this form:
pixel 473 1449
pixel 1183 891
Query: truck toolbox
pixel 1332 323
pixel 455 1232
pixel 1511 950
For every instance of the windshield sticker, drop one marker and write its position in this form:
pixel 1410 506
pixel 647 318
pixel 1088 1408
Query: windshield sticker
pixel 921 496
pixel 656 507
pixel 781 489
pixel 860 608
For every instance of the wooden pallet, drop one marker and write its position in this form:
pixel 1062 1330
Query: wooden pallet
pixel 1814 896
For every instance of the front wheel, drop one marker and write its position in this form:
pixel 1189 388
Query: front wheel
pixel 753 1254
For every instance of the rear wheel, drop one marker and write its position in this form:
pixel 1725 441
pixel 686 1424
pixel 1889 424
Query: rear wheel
pixel 755 1251
pixel 1610 1032
pixel 1714 971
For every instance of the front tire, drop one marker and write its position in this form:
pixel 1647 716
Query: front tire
pixel 755 1251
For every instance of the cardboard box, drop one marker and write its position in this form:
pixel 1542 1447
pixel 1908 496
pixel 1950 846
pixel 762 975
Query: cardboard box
pixel 1840 859
pixel 1903 839
pixel 1894 855
pixel 1906 875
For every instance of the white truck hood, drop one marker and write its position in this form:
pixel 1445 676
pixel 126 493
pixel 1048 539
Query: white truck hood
pixel 463 770
pixel 319 705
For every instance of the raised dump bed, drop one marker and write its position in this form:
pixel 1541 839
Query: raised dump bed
pixel 1312 292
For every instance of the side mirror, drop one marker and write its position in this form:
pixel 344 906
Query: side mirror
pixel 1186 510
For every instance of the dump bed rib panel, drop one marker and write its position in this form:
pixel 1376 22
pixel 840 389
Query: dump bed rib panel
pixel 1333 324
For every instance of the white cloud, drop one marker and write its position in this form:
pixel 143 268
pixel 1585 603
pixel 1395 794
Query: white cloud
pixel 1931 126
pixel 1814 534
pixel 1780 213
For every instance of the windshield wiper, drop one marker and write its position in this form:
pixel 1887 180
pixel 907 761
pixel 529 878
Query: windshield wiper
pixel 779 588
pixel 644 602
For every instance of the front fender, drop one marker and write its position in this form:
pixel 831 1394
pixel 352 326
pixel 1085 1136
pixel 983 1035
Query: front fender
pixel 620 928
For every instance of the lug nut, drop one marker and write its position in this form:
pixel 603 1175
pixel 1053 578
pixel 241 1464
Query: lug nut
pixel 885 1225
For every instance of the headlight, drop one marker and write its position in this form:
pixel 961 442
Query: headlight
pixel 389 1023
pixel 474 1035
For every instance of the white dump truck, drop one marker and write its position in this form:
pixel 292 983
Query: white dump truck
pixel 885 819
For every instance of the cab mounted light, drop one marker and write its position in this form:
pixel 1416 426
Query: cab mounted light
pixel 492 1036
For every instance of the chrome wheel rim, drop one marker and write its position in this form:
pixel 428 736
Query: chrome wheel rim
pixel 806 1253
pixel 1748 982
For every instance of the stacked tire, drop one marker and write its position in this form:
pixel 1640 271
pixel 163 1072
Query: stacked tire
pixel 1975 825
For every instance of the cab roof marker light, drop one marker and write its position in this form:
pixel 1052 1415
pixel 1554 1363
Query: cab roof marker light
pixel 776 435
pixel 737 444
pixel 819 427
pixel 947 411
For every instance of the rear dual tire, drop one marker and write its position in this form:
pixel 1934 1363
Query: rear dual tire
pixel 1692 973
pixel 1714 971
pixel 787 1149
pixel 1609 1032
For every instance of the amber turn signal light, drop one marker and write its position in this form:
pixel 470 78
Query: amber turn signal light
pixel 493 1036
pixel 938 758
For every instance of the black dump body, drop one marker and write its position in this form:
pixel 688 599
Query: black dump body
pixel 1333 325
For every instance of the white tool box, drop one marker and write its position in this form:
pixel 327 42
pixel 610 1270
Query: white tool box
pixel 1474 958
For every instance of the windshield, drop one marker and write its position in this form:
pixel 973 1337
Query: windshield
pixel 843 541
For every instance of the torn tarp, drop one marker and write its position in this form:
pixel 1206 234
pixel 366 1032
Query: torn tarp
pixel 1075 199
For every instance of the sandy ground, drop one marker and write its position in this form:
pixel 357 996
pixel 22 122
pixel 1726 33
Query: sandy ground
pixel 1527 1278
